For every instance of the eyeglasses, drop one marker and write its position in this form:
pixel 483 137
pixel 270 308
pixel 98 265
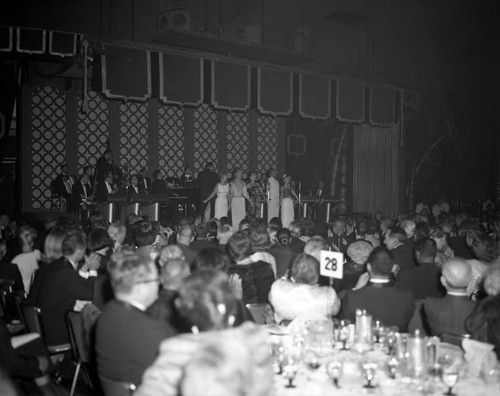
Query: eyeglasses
pixel 148 281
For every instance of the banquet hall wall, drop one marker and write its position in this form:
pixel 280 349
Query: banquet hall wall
pixel 145 135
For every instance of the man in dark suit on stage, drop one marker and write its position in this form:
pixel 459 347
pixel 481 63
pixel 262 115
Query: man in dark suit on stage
pixel 159 185
pixel 395 241
pixel 424 280
pixel 62 284
pixel 134 189
pixel 127 337
pixel 82 194
pixel 393 306
pixel 447 314
pixel 145 180
pixel 105 188
pixel 207 180
pixel 103 166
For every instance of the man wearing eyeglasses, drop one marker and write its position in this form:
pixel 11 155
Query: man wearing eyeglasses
pixel 127 338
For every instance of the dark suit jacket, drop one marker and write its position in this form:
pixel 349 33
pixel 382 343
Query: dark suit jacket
pixel 101 168
pixel 393 306
pixel 446 314
pixel 127 341
pixel 60 287
pixel 460 248
pixel 341 241
pixel 207 181
pixel 101 192
pixel 403 256
pixel 10 271
pixel 423 281
pixel 297 245
pixel 284 257
pixel 159 187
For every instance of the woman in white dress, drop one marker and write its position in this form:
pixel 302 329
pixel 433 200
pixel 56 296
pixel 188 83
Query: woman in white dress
pixel 222 200
pixel 287 201
pixel 238 193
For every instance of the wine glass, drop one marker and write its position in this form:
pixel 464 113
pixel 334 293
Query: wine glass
pixel 290 369
pixel 311 360
pixel 334 370
pixel 449 376
pixel 393 367
pixel 391 339
pixel 369 370
pixel 277 352
pixel 377 330
pixel 343 334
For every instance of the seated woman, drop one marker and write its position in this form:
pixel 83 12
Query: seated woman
pixel 485 250
pixel 358 253
pixel 300 294
pixel 256 276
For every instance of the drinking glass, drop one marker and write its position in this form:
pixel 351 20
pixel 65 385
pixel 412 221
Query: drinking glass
pixel 377 327
pixel 391 339
pixel 311 360
pixel 369 370
pixel 449 373
pixel 290 369
pixel 393 367
pixel 334 370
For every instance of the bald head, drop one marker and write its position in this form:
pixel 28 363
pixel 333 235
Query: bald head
pixel 456 274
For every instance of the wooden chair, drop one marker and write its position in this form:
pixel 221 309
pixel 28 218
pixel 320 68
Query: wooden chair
pixel 258 312
pixel 80 349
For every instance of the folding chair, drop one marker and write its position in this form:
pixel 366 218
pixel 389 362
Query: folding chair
pixel 79 347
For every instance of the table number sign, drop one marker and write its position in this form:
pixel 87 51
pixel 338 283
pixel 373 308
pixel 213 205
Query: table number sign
pixel 332 264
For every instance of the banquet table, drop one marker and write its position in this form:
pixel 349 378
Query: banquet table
pixel 317 382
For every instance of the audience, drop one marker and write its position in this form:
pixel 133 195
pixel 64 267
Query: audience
pixel 395 241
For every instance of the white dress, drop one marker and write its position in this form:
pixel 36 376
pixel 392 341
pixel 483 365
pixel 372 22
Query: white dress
pixel 238 213
pixel 28 264
pixel 221 203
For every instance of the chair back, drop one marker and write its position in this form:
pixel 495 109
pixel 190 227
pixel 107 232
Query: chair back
pixel 77 339
pixel 116 388
pixel 453 339
pixel 7 307
pixel 31 316
pixel 258 312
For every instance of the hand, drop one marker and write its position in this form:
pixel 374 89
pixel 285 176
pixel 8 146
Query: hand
pixel 362 281
pixel 92 262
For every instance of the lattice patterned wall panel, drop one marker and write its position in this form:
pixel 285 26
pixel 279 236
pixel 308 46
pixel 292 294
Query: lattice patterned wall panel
pixel 134 143
pixel 171 140
pixel 92 130
pixel 48 143
pixel 267 143
pixel 205 137
pixel 237 141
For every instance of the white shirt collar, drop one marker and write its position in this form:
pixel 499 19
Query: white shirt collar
pixel 461 294
pixel 378 280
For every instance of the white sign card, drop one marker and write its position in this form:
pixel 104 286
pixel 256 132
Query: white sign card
pixel 332 264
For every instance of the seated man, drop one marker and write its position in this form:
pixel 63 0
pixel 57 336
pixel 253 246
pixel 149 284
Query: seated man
pixel 447 314
pixel 61 285
pixel 424 280
pixel 185 235
pixel 127 338
pixel 402 251
pixel 393 306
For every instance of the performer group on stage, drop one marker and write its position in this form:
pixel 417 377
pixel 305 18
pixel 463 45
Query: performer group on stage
pixel 228 194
